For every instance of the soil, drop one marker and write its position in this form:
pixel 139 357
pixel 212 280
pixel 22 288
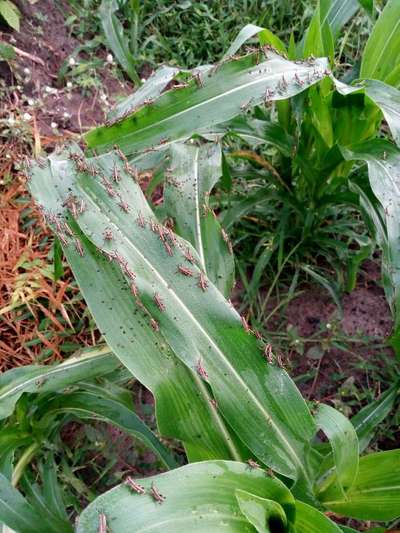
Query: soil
pixel 366 316
pixel 49 45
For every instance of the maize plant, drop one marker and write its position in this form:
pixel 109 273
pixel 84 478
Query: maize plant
pixel 157 282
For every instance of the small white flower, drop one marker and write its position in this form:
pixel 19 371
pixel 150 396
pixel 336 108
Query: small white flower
pixel 27 117
pixel 71 62
pixel 11 121
pixel 54 125
pixel 27 71
pixel 328 325
pixel 69 84
pixel 48 89
pixel 109 58
pixel 143 80
pixel 66 115
pixel 31 101
pixel 191 141
pixel 103 97
pixel 297 341
pixel 8 156
pixel 19 88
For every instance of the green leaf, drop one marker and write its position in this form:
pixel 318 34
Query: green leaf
pixel 375 494
pixel 344 442
pixel 310 520
pixel 387 98
pixel 47 498
pixel 249 31
pixel 337 13
pixel 266 515
pixel 201 327
pixel 198 497
pixel 383 160
pixel 178 113
pixel 57 259
pixel 88 364
pixel 17 513
pixel 10 13
pixel 383 47
pixel 7 52
pixel 194 172
pixel 144 351
pixel 152 89
pixel 367 420
pixel 313 43
pixel 382 95
pixel 116 39
pixel 88 405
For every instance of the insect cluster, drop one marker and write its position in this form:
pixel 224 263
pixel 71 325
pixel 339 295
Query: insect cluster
pixel 138 489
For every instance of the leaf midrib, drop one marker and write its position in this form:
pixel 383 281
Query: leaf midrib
pixel 90 193
pixel 269 77
pixel 60 368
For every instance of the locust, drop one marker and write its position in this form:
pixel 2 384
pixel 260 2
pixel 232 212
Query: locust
pixel 201 370
pixel 252 464
pixel 168 249
pixel 116 175
pixel 102 523
pixel 157 497
pixel 131 483
pixel 107 234
pixel 268 353
pixel 158 301
pixel 154 325
pixel 78 247
pixel 298 80
pixel 189 257
pixel 245 324
pixel 134 289
pixel 141 221
pixel 203 283
pixel 185 271
pixel 124 206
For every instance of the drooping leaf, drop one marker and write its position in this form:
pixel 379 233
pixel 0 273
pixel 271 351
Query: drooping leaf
pixel 10 13
pixel 198 497
pixel 46 498
pixel 249 31
pixel 91 406
pixel 345 450
pixel 177 391
pixel 266 515
pixel 202 328
pixel 310 520
pixel 35 378
pixel 152 89
pixel 367 420
pixel 17 513
pixel 375 494
pixel 194 172
pixel 114 33
pixel 383 160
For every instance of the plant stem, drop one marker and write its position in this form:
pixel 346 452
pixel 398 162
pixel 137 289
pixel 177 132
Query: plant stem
pixel 23 462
